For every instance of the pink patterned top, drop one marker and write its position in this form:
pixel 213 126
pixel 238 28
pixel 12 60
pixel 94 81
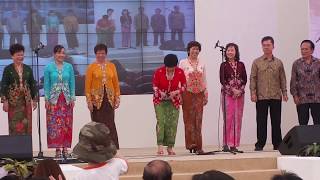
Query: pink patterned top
pixel 195 75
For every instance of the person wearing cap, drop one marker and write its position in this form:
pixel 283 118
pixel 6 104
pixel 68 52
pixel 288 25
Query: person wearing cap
pixel 96 147
pixel 102 90
pixel 176 21
pixel 194 98
pixel 111 27
pixel 53 23
pixel 158 24
pixel 169 82
pixel 126 22
pixel 141 23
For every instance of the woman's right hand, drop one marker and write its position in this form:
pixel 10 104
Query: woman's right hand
pixel 6 106
pixel 90 106
pixel 47 105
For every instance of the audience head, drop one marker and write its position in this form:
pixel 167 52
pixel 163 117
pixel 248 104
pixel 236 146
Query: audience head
pixel 286 176
pixel 212 175
pixel 10 177
pixel 95 144
pixel 46 168
pixel 157 170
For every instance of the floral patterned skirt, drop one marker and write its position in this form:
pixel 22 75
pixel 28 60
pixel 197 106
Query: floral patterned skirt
pixel 59 124
pixel 20 117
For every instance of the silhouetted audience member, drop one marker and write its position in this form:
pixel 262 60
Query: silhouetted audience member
pixel 157 170
pixel 46 168
pixel 10 177
pixel 286 176
pixel 212 175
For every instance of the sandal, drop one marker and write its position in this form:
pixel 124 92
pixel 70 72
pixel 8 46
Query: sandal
pixel 58 153
pixel 170 151
pixel 160 153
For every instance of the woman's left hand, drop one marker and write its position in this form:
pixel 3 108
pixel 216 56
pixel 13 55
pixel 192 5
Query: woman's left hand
pixel 34 105
pixel 117 103
pixel 72 104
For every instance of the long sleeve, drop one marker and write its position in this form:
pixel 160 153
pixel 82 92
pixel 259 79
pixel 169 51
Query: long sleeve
pixel 33 85
pixel 243 75
pixel 293 81
pixel 115 82
pixel 47 83
pixel 5 85
pixel 72 84
pixel 88 83
pixel 283 80
pixel 221 73
pixel 253 79
pixel 155 83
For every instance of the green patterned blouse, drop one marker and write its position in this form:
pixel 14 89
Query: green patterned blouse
pixel 10 85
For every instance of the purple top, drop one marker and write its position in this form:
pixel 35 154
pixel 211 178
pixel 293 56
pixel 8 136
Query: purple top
pixel 233 76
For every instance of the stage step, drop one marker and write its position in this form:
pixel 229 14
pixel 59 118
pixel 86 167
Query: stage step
pixel 239 168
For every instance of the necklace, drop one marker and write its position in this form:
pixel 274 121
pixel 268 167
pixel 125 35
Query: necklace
pixel 233 66
pixel 104 73
pixel 19 69
pixel 169 77
pixel 194 64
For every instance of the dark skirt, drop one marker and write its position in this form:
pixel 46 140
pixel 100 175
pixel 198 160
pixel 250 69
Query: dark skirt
pixel 105 115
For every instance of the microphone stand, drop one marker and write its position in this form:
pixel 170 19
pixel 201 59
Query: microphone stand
pixel 40 154
pixel 222 50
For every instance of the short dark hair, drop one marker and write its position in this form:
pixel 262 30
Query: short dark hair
pixel 48 167
pixel 170 60
pixel 100 47
pixel 14 48
pixel 157 170
pixel 286 176
pixel 236 47
pixel 110 10
pixel 267 38
pixel 10 177
pixel 57 48
pixel 193 44
pixel 212 174
pixel 308 41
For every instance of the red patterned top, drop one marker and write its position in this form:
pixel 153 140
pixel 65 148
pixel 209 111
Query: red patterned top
pixel 163 87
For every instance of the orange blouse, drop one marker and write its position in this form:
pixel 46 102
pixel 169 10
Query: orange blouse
pixel 100 77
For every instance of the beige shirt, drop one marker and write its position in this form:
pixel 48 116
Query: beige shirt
pixel 268 79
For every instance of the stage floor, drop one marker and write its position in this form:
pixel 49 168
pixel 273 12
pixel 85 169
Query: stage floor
pixel 148 154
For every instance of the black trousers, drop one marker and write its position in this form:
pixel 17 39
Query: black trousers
pixel 15 38
pixel 303 113
pixel 174 32
pixel 155 38
pixel 72 40
pixel 262 107
pixel 141 36
pixel 1 40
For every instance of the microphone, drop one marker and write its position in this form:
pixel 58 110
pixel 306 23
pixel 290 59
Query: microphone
pixel 318 40
pixel 40 46
pixel 217 44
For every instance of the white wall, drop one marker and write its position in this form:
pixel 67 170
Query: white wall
pixel 244 22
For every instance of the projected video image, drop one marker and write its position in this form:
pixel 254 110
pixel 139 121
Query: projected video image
pixel 315 25
pixel 138 34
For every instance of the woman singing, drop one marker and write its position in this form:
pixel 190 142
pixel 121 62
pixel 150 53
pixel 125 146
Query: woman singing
pixel 59 88
pixel 233 78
